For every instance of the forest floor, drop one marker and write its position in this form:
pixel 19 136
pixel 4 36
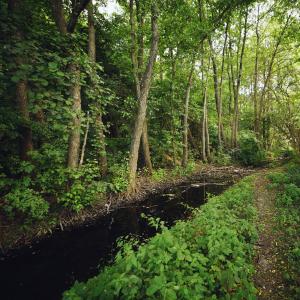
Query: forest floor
pixel 269 261
pixel 15 235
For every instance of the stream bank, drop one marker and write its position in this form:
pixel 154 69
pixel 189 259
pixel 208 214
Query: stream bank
pixel 53 264
pixel 15 235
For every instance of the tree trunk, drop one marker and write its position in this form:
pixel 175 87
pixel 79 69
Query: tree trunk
pixel 102 157
pixel 185 152
pixel 137 59
pixel 236 88
pixel 75 88
pixel 85 140
pixel 269 70
pixel 256 122
pixel 142 104
pixel 205 134
pixel 25 142
pixel 146 148
pixel 221 83
pixel 74 135
pixel 217 96
pixel 204 123
pixel 173 130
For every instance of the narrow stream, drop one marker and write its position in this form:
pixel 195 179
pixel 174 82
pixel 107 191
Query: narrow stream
pixel 46 269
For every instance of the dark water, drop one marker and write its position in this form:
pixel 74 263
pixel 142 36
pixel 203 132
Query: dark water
pixel 44 270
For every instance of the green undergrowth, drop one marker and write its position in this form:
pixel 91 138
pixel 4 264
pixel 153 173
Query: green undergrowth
pixel 287 186
pixel 207 257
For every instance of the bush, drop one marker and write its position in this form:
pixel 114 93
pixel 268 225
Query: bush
pixel 27 202
pixel 159 174
pixel 119 177
pixel 221 158
pixel 84 187
pixel 207 257
pixel 249 153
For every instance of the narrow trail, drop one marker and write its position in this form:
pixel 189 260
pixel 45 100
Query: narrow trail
pixel 268 262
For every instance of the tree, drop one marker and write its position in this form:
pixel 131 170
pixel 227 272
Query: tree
pixel 74 70
pixel 142 100
pixel 102 158
pixel 25 145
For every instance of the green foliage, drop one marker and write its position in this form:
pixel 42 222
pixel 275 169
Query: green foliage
pixel 287 185
pixel 250 152
pixel 27 202
pixel 119 177
pixel 159 174
pixel 222 158
pixel 84 187
pixel 207 257
pixel 184 171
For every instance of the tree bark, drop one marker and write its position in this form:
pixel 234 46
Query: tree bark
pixel 217 95
pixel 25 141
pixel 85 140
pixel 236 88
pixel 74 135
pixel 75 88
pixel 137 59
pixel 204 124
pixel 256 121
pixel 205 133
pixel 269 71
pixel 142 103
pixel 102 157
pixel 221 83
pixel 185 151
pixel 173 130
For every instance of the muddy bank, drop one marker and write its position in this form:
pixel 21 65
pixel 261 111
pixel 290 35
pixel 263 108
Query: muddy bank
pixel 12 236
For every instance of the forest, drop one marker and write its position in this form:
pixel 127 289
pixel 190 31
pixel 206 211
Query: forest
pixel 105 103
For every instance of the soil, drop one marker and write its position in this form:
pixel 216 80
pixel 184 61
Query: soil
pixel 16 235
pixel 269 261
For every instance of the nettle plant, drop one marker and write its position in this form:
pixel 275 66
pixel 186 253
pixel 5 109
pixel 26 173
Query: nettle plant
pixel 207 257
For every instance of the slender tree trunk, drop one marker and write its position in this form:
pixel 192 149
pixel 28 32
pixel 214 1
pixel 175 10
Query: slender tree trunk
pixel 221 83
pixel 102 157
pixel 207 132
pixel 269 70
pixel 74 70
pixel 84 140
pixel 237 87
pixel 217 96
pixel 185 117
pixel 204 124
pixel 146 148
pixel 74 135
pixel 204 131
pixel 137 58
pixel 173 72
pixel 26 144
pixel 142 103
pixel 25 141
pixel 256 121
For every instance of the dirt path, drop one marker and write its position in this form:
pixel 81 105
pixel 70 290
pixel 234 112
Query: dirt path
pixel 268 262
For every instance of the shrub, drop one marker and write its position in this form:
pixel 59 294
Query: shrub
pixel 159 174
pixel 27 202
pixel 221 158
pixel 84 187
pixel 249 153
pixel 207 257
pixel 119 177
